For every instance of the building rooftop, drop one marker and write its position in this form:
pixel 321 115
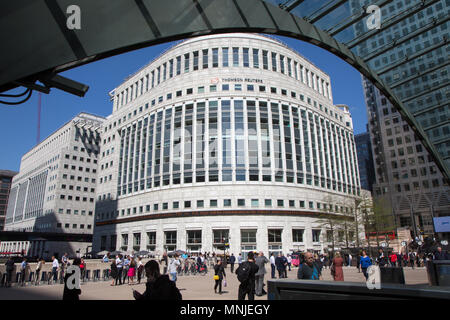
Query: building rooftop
pixel 7 173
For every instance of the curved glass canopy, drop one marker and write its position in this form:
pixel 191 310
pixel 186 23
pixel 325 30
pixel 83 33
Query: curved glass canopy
pixel 405 55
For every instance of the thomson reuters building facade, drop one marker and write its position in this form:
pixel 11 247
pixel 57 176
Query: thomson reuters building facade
pixel 228 138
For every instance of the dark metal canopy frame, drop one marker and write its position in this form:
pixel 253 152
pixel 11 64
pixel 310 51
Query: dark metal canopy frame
pixel 37 43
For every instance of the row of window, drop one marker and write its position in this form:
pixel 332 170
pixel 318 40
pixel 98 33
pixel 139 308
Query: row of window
pixel 77 198
pixel 74 226
pixel 236 134
pixel 75 211
pixel 227 203
pixel 240 58
pixel 79 178
pixel 81 159
pixel 220 237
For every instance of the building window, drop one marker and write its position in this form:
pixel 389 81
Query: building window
pixel 297 235
pixel 316 235
pixel 274 235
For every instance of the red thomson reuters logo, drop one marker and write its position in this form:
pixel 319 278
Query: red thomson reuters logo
pixel 214 80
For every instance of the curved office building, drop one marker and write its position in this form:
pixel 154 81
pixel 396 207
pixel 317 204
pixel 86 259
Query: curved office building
pixel 227 138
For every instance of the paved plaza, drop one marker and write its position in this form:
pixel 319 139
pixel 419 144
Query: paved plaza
pixel 191 287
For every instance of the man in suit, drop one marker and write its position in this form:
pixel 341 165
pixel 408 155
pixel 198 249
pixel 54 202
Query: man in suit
pixel 260 261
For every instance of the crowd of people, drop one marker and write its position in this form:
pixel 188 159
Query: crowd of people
pixel 250 273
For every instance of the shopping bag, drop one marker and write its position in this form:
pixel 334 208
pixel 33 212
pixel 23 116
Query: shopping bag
pixel 224 282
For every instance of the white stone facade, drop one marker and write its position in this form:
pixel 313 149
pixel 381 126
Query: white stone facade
pixel 55 188
pixel 244 137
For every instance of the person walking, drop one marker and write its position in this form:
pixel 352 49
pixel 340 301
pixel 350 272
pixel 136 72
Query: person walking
pixel 219 275
pixel 140 269
pixel 82 268
pixel 318 262
pixel 55 267
pixel 165 262
pixel 114 272
pixel 126 266
pixel 173 266
pixel 381 260
pixel 393 259
pixel 119 264
pixel 285 263
pixel 366 262
pixel 71 294
pixel 358 262
pixel 309 270
pixel 246 275
pixel 158 287
pixel 272 265
pixel 280 264
pixel 289 261
pixel 23 271
pixel 240 259
pixel 10 268
pixel 441 255
pixel 39 265
pixel 412 257
pixel 232 262
pixel 131 272
pixel 260 261
pixel 336 268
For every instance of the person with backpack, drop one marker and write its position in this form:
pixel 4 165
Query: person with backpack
pixel 246 275
pixel 309 270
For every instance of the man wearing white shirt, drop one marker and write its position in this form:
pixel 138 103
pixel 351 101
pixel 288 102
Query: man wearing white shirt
pixel 55 267
pixel 272 265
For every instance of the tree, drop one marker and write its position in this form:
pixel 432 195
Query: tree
pixel 381 221
pixel 330 219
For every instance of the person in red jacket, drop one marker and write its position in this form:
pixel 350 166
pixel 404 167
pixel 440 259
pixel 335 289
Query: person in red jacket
pixel 393 259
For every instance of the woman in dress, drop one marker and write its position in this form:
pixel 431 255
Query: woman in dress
pixel 336 269
pixel 114 271
pixel 131 271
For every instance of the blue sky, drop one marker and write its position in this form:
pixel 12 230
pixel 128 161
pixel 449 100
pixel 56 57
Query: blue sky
pixel 18 124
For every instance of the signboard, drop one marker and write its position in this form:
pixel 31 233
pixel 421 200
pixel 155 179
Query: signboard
pixel 442 224
pixel 383 244
pixel 403 243
pixel 444 242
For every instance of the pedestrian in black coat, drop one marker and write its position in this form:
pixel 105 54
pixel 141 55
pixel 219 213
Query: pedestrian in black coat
pixel 247 287
pixel 158 287
pixel 219 271
pixel 71 294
